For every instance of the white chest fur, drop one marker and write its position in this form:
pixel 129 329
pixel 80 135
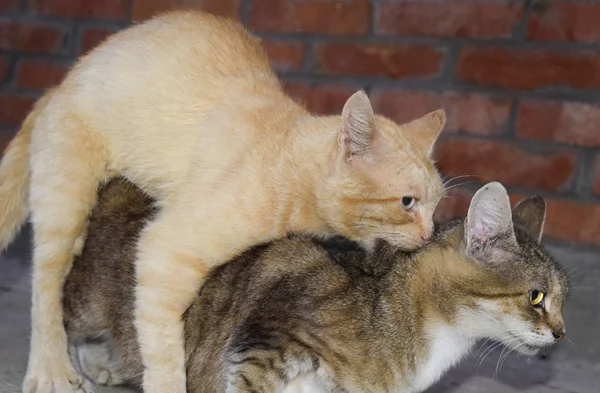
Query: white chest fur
pixel 447 347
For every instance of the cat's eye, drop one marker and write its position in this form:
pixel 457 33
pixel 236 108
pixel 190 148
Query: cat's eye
pixel 408 202
pixel 536 297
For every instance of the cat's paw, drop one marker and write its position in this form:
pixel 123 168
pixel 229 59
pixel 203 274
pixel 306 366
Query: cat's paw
pixel 97 365
pixel 56 377
pixel 86 387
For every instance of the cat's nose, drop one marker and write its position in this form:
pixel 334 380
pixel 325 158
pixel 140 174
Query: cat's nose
pixel 559 334
pixel 425 238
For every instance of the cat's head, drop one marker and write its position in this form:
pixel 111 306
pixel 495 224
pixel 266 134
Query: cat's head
pixel 382 182
pixel 513 290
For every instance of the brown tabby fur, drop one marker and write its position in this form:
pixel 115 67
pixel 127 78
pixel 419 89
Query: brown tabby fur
pixel 353 320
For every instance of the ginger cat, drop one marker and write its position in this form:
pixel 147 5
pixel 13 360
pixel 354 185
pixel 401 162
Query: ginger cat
pixel 258 325
pixel 186 107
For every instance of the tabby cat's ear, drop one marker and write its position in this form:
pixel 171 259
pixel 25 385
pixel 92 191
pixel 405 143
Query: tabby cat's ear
pixel 530 214
pixel 358 126
pixel 488 222
pixel 425 130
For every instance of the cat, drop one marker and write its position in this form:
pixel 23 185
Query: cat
pixel 327 312
pixel 187 107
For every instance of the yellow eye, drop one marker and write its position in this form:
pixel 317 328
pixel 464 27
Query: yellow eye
pixel 536 297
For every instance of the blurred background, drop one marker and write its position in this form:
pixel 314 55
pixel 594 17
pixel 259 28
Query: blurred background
pixel 519 80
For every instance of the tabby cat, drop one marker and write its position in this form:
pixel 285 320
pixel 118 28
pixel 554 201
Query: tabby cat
pixel 186 107
pixel 328 312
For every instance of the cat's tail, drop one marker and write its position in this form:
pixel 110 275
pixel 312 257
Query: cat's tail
pixel 14 179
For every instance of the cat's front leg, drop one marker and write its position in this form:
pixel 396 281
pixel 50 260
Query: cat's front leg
pixel 168 277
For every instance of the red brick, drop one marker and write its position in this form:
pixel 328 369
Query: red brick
pixel 31 37
pixel 104 9
pixel 13 109
pixel 228 8
pixel 567 122
pixel 336 17
pixel 506 163
pixel 450 18
pixel 565 221
pixel 322 99
pixel 528 70
pixel 3 68
pixel 145 9
pixel 453 205
pixel 468 112
pixel 39 75
pixel 92 37
pixel 7 6
pixel 5 138
pixel 569 221
pixel 284 55
pixel 573 222
pixel 392 61
pixel 565 21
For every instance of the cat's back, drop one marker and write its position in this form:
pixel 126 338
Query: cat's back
pixel 179 41
pixel 173 84
pixel 169 72
pixel 297 289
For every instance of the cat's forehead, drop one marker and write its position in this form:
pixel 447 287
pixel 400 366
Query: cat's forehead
pixel 402 178
pixel 405 166
pixel 533 264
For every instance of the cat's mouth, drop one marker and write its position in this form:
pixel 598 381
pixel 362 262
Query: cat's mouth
pixel 528 349
pixel 524 348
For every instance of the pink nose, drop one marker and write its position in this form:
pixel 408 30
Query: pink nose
pixel 559 334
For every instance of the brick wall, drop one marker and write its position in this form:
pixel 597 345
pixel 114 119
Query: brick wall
pixel 520 80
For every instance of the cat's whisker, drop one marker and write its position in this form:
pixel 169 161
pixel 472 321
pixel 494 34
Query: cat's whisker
pixel 508 354
pixel 452 197
pixel 574 273
pixel 495 345
pixel 362 217
pixel 445 182
pixel 481 346
pixel 490 349
pixel 571 342
pixel 501 359
pixel 457 185
pixel 498 362
pixel 574 276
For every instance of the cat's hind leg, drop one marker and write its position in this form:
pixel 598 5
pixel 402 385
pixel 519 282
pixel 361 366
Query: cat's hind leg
pixel 67 164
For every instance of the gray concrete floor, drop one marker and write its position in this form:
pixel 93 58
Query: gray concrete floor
pixel 573 367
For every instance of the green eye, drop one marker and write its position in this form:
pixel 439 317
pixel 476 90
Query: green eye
pixel 536 297
pixel 408 202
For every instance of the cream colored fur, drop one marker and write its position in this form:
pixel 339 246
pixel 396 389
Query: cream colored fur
pixel 187 107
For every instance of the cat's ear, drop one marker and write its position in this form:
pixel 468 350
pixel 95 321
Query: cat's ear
pixel 358 131
pixel 530 214
pixel 425 130
pixel 488 222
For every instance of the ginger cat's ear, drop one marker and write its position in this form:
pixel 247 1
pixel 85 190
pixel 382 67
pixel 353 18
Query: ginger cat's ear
pixel 425 130
pixel 358 131
pixel 488 222
pixel 530 214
